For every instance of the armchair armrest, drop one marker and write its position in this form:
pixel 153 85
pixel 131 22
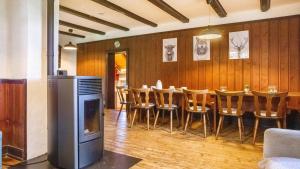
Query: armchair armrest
pixel 281 143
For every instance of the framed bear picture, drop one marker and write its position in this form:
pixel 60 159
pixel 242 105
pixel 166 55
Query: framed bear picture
pixel 201 49
pixel 170 50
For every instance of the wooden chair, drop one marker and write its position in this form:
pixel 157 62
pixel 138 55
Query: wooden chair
pixel 193 98
pixel 141 102
pixel 228 110
pixel 265 108
pixel 165 105
pixel 121 93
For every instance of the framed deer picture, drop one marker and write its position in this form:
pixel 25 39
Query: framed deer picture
pixel 170 50
pixel 201 49
pixel 239 45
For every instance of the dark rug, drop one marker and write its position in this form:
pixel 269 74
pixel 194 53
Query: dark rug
pixel 110 160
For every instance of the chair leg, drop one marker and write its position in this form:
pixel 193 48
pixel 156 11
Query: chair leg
pixel 163 117
pixel 153 113
pixel 155 121
pixel 243 127
pixel 132 121
pixel 284 120
pixel 278 123
pixel 128 108
pixel 220 125
pixel 171 121
pixel 240 129
pixel 148 118
pixel 208 120
pixel 204 124
pixel 214 117
pixel 192 116
pixel 119 114
pixel 187 121
pixel 255 129
pixel 140 115
pixel 176 110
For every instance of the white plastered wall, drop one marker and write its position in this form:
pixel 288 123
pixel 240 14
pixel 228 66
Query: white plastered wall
pixel 68 61
pixel 23 46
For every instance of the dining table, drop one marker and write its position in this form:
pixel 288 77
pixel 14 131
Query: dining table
pixel 213 103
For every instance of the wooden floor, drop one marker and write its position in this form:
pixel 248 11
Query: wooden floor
pixel 9 161
pixel 159 149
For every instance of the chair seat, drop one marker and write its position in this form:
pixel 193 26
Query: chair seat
pixel 143 106
pixel 279 163
pixel 126 102
pixel 263 114
pixel 166 107
pixel 233 112
pixel 199 109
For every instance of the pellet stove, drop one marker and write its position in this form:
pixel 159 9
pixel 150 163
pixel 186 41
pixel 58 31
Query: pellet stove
pixel 75 121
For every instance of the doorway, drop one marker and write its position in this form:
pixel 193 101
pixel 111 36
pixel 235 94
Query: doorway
pixel 117 75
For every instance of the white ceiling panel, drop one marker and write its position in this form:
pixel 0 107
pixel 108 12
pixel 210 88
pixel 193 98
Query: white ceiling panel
pixel 195 10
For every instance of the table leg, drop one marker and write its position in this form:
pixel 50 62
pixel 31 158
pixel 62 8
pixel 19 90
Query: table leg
pixel 182 112
pixel 284 121
pixel 215 118
pixel 215 107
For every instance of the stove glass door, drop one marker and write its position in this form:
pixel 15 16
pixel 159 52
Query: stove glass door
pixel 89 117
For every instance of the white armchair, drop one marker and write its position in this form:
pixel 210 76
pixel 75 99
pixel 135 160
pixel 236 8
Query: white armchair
pixel 281 149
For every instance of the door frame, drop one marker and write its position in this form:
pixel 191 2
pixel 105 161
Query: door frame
pixel 113 52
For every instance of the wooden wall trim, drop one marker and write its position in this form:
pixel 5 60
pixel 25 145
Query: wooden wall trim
pixel 13 81
pixel 13 113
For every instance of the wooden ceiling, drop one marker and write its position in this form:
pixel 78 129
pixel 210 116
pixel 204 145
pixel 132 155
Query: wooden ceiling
pixel 146 13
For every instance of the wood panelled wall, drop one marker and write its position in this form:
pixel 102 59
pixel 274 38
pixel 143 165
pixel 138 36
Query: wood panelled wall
pixel 274 58
pixel 13 113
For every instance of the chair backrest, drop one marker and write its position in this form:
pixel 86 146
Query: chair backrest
pixel 228 97
pixel 195 97
pixel 160 94
pixel 140 96
pixel 121 92
pixel 264 103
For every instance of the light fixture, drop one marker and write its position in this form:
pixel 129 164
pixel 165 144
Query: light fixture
pixel 209 33
pixel 70 46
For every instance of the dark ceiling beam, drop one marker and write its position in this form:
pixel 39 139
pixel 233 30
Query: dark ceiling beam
pixel 265 5
pixel 216 5
pixel 71 34
pixel 68 24
pixel 167 8
pixel 124 11
pixel 92 18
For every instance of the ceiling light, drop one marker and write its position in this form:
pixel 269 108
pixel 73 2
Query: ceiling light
pixel 209 33
pixel 70 46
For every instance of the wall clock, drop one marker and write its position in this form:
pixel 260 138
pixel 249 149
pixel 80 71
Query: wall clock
pixel 117 44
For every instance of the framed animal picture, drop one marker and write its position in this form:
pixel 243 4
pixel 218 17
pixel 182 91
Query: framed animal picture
pixel 170 50
pixel 239 45
pixel 201 49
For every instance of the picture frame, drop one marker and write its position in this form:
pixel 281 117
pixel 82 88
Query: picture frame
pixel 239 45
pixel 169 53
pixel 201 49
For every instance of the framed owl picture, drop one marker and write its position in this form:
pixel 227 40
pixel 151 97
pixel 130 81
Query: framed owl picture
pixel 201 49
